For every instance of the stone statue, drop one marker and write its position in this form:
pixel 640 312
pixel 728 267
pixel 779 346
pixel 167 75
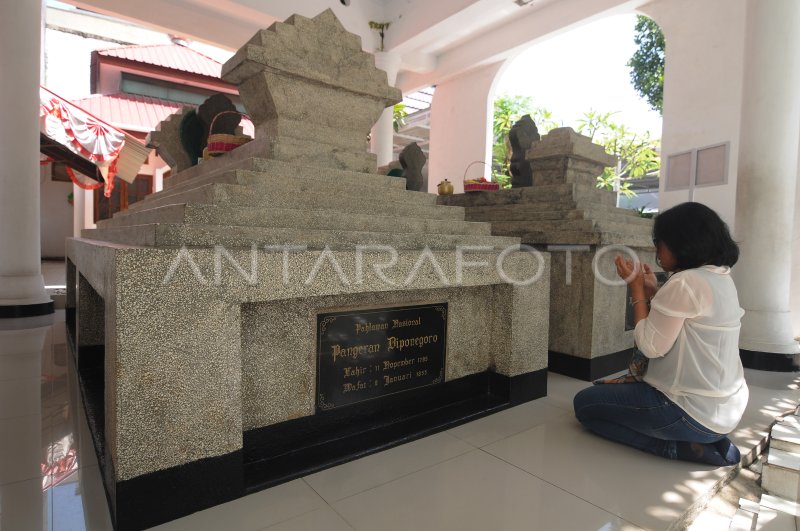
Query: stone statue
pixel 166 140
pixel 412 159
pixel 522 134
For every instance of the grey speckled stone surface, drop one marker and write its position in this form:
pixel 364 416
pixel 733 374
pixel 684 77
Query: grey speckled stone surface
pixel 175 387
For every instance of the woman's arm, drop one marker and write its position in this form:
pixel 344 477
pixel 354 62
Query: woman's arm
pixel 634 275
pixel 650 282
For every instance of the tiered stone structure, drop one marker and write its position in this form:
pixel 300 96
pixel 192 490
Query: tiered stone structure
pixel 565 213
pixel 194 312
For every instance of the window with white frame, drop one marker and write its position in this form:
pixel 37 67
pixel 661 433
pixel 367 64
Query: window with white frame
pixel 707 166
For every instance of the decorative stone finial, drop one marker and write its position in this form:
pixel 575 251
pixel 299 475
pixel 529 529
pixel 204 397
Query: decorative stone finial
pixel 312 93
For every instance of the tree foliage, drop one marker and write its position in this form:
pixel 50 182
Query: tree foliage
pixel 637 154
pixel 647 63
pixel 399 114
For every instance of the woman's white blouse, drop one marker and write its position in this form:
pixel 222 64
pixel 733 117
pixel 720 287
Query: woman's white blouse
pixel 692 338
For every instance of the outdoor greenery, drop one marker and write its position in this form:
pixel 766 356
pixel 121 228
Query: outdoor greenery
pixel 647 63
pixel 399 114
pixel 637 153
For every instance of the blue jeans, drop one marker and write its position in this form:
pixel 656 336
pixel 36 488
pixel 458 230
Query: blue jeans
pixel 638 415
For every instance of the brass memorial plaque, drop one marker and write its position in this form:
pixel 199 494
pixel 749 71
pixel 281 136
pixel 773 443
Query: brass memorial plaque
pixel 368 354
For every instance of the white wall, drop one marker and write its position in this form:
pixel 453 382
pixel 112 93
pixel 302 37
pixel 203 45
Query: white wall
pixel 461 123
pixel 69 41
pixel 702 88
pixel 794 293
pixel 56 215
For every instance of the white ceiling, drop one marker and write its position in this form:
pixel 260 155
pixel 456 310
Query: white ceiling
pixel 435 39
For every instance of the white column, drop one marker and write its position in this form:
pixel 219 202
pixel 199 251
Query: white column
pixel 21 282
pixel 461 127
pixel 768 164
pixel 382 135
pixel 22 352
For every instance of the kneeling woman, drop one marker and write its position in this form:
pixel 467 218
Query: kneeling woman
pixel 692 393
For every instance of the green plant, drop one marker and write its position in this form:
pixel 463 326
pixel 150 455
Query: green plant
pixel 399 114
pixel 647 63
pixel 637 154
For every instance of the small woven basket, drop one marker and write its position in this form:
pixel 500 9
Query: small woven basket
pixel 488 186
pixel 221 143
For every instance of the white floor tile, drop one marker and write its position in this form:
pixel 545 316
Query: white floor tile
pixel 771 520
pixel 368 472
pixel 21 398
pixel 771 393
pixel 254 512
pixel 24 442
pixel 708 521
pixel 646 490
pixel 749 433
pixel 19 365
pixel 472 492
pixel 508 422
pixel 24 507
pixel 324 518
pixel 562 389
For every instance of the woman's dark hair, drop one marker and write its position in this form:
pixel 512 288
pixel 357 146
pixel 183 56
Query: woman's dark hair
pixel 696 236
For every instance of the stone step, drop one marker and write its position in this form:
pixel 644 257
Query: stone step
pixel 245 196
pixel 595 213
pixel 626 226
pixel 514 196
pixel 516 212
pixel 267 183
pixel 288 218
pixel 571 237
pixel 781 474
pixel 512 227
pixel 785 435
pixel 587 225
pixel 217 166
pixel 174 236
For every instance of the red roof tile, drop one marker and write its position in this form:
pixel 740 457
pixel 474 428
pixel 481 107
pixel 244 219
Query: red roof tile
pixel 136 113
pixel 171 56
pixel 129 111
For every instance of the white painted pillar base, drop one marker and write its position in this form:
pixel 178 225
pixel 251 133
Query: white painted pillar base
pixel 767 180
pixel 21 282
pixel 382 135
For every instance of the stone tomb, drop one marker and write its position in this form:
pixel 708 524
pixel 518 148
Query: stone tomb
pixel 283 308
pixel 564 213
